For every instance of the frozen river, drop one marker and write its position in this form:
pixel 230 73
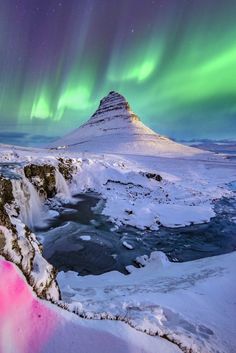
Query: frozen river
pixel 81 239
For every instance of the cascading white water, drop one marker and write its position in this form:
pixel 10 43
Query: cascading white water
pixel 61 185
pixel 29 202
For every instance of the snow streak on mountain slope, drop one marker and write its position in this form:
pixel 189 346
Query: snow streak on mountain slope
pixel 115 128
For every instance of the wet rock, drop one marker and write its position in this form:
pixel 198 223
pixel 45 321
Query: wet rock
pixel 6 198
pixel 6 195
pixel 66 168
pixel 2 241
pixel 42 177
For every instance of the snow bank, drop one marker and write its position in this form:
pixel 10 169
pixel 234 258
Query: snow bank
pixel 28 324
pixel 183 191
pixel 192 303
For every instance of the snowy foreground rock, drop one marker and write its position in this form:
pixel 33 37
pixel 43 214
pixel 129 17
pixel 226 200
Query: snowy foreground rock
pixel 30 325
pixel 146 181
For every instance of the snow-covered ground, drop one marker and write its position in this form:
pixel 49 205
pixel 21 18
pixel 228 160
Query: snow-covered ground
pixel 191 303
pixel 144 191
pixel 28 324
pixel 185 194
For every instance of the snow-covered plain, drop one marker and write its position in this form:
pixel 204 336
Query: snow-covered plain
pixel 191 303
pixel 146 180
pixel 185 195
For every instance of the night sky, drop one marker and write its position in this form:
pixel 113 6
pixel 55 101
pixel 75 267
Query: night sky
pixel 174 60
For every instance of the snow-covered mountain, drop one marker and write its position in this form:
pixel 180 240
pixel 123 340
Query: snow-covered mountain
pixel 114 128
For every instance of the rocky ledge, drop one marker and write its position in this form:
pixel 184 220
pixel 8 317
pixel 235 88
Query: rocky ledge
pixel 43 176
pixel 17 241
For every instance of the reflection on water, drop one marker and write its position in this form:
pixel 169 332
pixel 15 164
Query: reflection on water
pixel 79 238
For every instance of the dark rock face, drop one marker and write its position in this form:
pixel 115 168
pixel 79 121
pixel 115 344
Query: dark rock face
pixel 42 177
pixel 66 168
pixel 6 195
pixel 153 176
pixel 113 101
pixel 5 220
pixel 2 242
pixel 117 106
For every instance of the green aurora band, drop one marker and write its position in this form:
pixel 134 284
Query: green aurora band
pixel 175 63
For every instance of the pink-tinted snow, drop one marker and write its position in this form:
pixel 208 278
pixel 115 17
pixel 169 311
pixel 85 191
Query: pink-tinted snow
pixel 25 323
pixel 30 325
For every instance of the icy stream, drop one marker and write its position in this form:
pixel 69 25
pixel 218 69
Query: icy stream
pixel 79 238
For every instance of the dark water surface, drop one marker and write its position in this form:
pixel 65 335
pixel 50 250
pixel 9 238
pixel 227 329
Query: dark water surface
pixel 81 239
pixel 9 170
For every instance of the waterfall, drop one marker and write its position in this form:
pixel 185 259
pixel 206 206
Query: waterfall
pixel 61 185
pixel 29 202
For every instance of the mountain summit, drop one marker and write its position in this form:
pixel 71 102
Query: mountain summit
pixel 114 128
pixel 115 104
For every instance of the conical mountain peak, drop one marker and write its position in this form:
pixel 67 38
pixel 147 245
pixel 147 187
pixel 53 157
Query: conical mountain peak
pixel 114 128
pixel 114 99
pixel 113 106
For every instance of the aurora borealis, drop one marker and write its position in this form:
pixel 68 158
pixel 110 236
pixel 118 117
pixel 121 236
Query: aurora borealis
pixel 174 60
